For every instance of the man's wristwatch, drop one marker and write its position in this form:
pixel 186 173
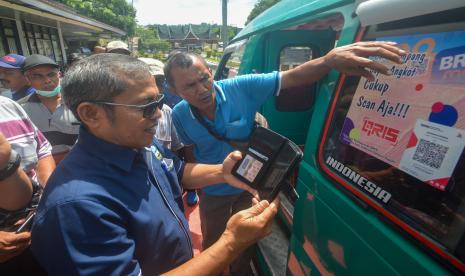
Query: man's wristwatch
pixel 11 165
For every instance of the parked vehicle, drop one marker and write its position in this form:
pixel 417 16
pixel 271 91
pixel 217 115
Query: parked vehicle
pixel 382 184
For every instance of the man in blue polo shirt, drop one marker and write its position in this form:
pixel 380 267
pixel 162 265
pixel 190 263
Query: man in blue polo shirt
pixel 12 77
pixel 215 115
pixel 113 206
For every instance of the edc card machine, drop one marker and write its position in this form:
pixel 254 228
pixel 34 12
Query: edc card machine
pixel 268 161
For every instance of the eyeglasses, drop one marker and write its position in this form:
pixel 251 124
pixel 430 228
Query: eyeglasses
pixel 147 109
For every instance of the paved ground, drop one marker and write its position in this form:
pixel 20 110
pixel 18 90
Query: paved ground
pixel 192 215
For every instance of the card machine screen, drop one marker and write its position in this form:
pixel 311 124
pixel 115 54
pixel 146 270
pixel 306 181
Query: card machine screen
pixel 269 159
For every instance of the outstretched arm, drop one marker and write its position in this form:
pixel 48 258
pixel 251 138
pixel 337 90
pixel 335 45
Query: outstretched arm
pixel 350 59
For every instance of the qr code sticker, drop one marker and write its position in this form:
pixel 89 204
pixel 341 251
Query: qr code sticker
pixel 430 154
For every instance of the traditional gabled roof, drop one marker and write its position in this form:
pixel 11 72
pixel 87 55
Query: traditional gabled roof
pixel 190 34
pixel 163 32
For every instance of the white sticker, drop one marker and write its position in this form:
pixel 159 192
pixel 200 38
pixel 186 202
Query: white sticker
pixel 249 168
pixel 433 152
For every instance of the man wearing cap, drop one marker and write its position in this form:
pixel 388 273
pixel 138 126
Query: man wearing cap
pixel 45 107
pixel 12 76
pixel 99 50
pixel 118 47
pixel 166 132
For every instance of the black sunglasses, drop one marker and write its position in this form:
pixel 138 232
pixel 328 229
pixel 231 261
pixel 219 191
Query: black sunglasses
pixel 147 109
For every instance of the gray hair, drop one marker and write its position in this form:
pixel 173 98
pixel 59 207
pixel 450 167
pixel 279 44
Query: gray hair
pixel 100 78
pixel 181 60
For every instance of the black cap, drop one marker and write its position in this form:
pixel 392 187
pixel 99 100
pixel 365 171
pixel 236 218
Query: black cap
pixel 38 60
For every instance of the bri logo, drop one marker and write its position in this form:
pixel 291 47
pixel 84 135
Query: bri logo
pixel 449 66
pixel 376 129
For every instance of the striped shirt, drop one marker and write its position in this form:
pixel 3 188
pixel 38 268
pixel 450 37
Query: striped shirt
pixel 23 135
pixel 60 127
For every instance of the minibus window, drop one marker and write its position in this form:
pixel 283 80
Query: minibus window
pixel 398 142
pixel 231 62
pixel 295 99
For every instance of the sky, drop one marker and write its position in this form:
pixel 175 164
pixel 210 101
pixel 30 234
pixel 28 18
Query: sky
pixel 173 12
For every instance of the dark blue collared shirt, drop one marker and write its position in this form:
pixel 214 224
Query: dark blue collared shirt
pixel 105 212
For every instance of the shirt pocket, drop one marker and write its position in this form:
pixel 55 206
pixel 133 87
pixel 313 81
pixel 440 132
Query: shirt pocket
pixel 239 129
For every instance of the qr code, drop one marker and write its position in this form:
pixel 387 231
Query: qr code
pixel 430 154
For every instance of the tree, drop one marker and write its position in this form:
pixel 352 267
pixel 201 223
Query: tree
pixel 149 41
pixel 117 13
pixel 260 7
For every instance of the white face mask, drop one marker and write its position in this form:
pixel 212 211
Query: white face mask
pixel 50 94
pixel 6 93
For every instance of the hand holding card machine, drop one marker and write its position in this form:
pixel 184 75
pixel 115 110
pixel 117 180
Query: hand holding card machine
pixel 268 161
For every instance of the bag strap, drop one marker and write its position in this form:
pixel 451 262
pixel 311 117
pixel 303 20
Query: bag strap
pixel 239 145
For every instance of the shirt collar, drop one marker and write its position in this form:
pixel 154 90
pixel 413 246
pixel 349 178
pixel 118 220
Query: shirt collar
pixel 23 92
pixel 120 156
pixel 220 97
pixel 33 98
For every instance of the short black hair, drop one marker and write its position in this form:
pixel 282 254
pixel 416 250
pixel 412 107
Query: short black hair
pixel 100 78
pixel 181 60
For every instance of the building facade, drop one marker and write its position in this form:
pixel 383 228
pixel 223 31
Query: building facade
pixel 48 28
pixel 188 38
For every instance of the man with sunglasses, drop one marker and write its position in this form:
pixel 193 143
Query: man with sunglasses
pixel 113 206
pixel 166 131
pixel 45 107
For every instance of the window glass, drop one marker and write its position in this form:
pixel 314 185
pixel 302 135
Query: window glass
pixel 400 138
pixel 56 45
pixel 8 31
pixel 40 47
pixel 300 98
pixel 32 44
pixel 230 68
pixel 291 57
pixel 45 32
pixel 48 49
pixel 2 48
pixel 56 50
pixel 37 32
pixel 12 45
pixel 7 23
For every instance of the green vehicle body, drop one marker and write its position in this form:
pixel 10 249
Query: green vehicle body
pixel 327 231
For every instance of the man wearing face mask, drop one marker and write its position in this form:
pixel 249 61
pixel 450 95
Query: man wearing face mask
pixel 13 78
pixel 45 107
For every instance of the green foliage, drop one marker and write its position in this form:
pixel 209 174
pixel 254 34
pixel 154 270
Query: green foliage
pixel 260 7
pixel 149 41
pixel 117 13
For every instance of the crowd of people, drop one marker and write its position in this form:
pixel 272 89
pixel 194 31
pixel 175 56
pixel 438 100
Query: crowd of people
pixel 99 156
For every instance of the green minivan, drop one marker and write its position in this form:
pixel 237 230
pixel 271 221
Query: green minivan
pixel 381 188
